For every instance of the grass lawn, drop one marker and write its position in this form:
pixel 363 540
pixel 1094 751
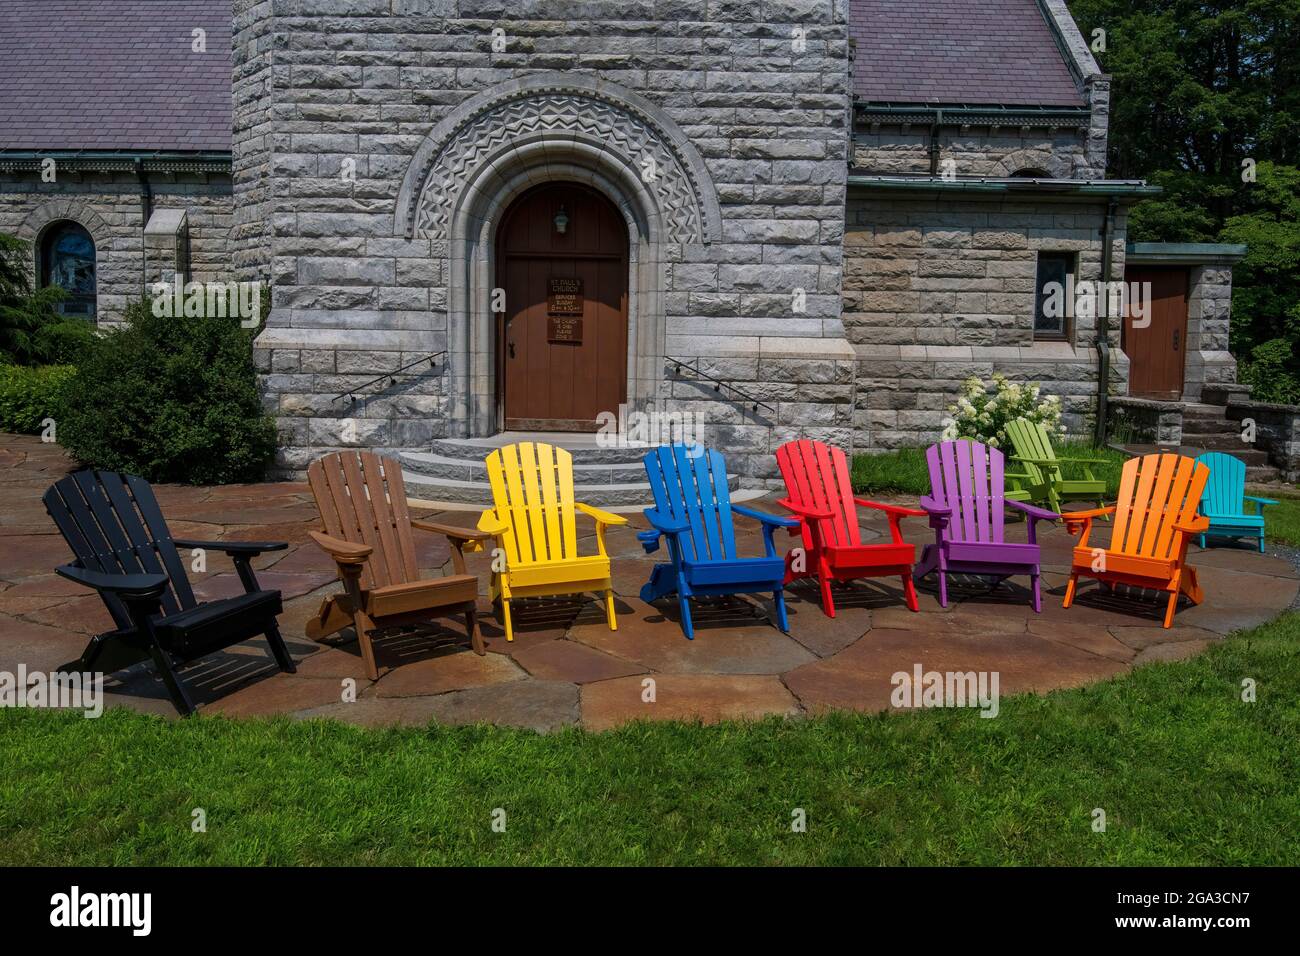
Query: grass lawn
pixel 1282 520
pixel 1186 773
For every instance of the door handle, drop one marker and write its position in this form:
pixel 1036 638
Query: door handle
pixel 1176 333
pixel 512 349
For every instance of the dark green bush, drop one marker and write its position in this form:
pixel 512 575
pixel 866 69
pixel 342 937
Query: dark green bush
pixel 171 399
pixel 32 332
pixel 30 395
pixel 1272 372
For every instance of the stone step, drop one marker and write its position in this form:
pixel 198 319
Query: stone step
pixel 437 466
pixel 623 496
pixel 1262 473
pixel 1232 444
pixel 582 446
pixel 1209 426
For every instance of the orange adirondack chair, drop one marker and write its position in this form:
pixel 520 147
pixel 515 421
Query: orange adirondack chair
pixel 816 476
pixel 1155 518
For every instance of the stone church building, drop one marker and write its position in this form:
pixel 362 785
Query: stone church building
pixel 478 217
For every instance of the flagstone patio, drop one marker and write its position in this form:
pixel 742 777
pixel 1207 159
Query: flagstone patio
pixel 565 667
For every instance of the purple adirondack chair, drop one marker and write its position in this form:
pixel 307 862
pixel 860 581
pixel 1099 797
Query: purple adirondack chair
pixel 967 510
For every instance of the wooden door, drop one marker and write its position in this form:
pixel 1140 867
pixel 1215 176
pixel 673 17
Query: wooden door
pixel 1157 352
pixel 562 339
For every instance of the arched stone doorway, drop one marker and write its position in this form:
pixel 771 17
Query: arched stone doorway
pixel 562 268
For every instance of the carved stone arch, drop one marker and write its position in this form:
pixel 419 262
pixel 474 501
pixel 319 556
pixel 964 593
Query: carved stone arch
pixel 1057 167
pixel 559 110
pixel 57 210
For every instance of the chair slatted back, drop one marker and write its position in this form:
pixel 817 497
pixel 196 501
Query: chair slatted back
pixel 532 492
pixel 362 500
pixel 1155 493
pixel 967 476
pixel 1030 440
pixel 113 525
pixel 689 484
pixel 1225 492
pixel 817 476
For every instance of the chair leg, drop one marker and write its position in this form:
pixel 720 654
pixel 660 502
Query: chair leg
pixel 1202 542
pixel 1038 595
pixel 909 593
pixel 1170 608
pixel 1069 589
pixel 365 625
pixel 943 588
pixel 828 600
pixel 782 622
pixel 505 618
pixel 278 649
pixel 609 609
pixel 471 628
pixel 1190 584
pixel 688 628
pixel 1261 542
pixel 175 689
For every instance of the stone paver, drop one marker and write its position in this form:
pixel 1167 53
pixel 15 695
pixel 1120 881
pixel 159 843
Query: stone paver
pixel 565 667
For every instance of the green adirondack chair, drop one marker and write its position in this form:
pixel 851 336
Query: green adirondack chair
pixel 1043 477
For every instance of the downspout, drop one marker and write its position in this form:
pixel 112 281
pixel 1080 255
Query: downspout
pixel 146 206
pixel 1103 324
pixel 934 142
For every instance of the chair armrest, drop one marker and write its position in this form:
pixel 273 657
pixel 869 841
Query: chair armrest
pixel 132 585
pixel 450 530
pixel 1035 512
pixel 775 521
pixel 1090 513
pixel 1260 501
pixel 604 517
pixel 934 509
pixel 1085 461
pixel 344 552
pixel 250 549
pixel 1029 459
pixel 891 509
pixel 491 525
pixel 1196 526
pixel 663 524
pixel 805 511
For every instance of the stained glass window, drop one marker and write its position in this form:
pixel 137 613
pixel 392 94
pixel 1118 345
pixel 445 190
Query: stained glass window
pixel 68 261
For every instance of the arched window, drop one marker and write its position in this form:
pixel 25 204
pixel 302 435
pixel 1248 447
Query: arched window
pixel 1031 172
pixel 68 261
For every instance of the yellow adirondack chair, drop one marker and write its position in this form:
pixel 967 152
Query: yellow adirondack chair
pixel 534 524
pixel 1155 518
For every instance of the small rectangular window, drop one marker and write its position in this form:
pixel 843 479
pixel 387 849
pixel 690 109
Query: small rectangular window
pixel 1051 306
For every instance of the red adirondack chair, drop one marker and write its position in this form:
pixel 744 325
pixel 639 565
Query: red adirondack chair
pixel 967 508
pixel 821 495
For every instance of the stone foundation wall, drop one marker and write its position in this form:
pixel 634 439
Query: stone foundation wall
pixel 936 291
pixel 109 206
pixel 1277 431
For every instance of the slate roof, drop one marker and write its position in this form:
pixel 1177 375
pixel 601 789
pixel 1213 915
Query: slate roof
pixel 114 75
pixel 979 52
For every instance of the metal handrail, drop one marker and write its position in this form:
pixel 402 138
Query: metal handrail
pixel 351 393
pixel 718 384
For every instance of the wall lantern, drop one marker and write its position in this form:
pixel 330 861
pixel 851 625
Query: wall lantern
pixel 561 221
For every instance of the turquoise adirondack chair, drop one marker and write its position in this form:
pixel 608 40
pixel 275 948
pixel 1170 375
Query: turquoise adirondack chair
pixel 693 514
pixel 1224 501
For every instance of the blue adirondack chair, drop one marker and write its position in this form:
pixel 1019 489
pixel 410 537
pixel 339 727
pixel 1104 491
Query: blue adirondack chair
pixel 692 513
pixel 1224 501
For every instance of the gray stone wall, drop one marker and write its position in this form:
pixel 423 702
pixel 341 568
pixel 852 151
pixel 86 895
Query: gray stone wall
pixel 109 206
pixel 976 151
pixel 936 291
pixel 379 131
pixel 1209 313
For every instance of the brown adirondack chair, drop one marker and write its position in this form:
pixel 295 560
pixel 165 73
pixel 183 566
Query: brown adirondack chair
pixel 362 500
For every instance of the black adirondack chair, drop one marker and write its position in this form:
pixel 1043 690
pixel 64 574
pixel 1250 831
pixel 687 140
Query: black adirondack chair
pixel 124 551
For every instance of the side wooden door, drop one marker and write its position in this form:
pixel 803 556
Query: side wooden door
pixel 562 260
pixel 1157 351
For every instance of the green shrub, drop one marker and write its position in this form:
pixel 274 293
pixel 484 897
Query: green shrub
pixel 1272 372
pixel 30 395
pixel 170 400
pixel 32 332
